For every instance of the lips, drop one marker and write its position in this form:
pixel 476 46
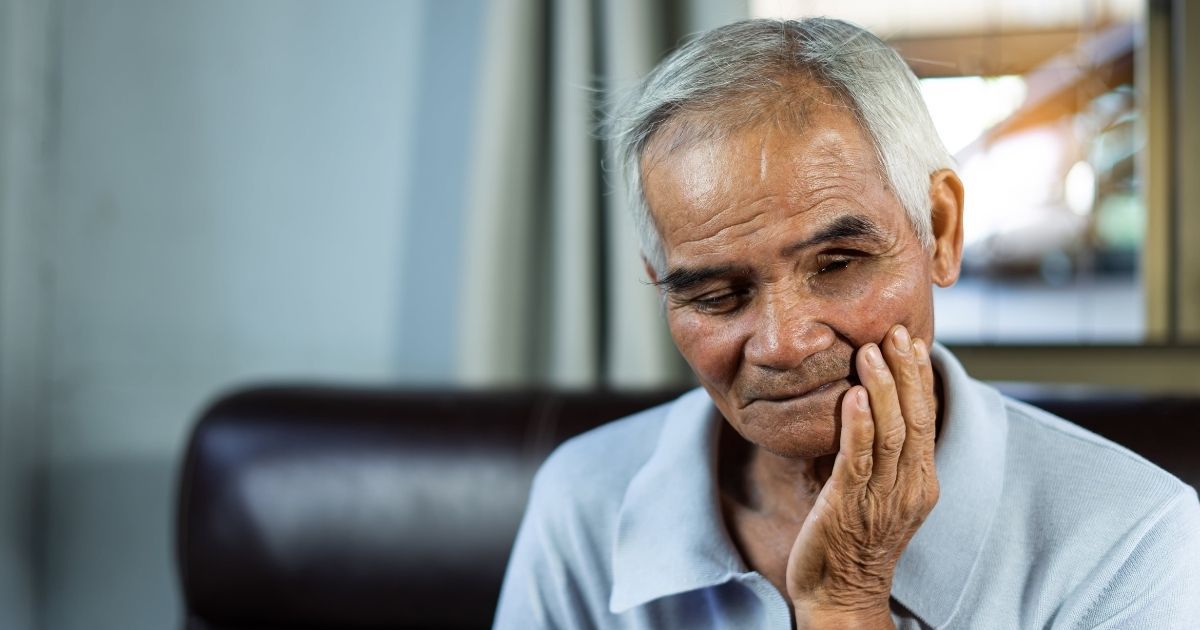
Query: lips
pixel 790 395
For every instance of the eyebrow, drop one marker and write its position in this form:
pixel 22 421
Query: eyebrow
pixel 844 228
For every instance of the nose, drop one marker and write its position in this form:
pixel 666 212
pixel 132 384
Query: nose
pixel 787 333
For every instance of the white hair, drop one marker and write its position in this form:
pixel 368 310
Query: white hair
pixel 740 63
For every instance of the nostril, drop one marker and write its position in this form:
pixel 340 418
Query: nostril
pixel 786 348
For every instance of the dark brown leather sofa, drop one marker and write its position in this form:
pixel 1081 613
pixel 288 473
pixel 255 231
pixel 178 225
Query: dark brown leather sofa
pixel 331 507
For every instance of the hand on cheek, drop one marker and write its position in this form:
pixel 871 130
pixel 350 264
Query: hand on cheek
pixel 882 487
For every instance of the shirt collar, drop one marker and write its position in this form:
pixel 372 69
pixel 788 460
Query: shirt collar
pixel 671 539
pixel 934 570
pixel 670 536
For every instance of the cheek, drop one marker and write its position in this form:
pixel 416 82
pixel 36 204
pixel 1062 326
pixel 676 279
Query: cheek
pixel 884 300
pixel 712 350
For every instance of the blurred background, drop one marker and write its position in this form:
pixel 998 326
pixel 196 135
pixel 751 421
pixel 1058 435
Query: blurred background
pixel 195 196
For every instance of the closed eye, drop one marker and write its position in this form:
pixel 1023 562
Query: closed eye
pixel 720 303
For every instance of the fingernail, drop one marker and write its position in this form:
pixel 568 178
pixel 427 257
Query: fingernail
pixel 873 356
pixel 919 346
pixel 903 343
pixel 861 400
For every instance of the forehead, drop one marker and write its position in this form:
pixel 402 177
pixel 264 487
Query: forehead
pixel 763 178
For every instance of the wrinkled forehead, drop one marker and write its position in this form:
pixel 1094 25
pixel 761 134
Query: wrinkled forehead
pixel 776 118
pixel 693 174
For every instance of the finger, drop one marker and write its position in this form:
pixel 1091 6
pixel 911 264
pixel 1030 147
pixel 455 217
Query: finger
pixel 901 355
pixel 922 420
pixel 885 411
pixel 926 366
pixel 853 464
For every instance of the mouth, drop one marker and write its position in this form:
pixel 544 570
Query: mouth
pixel 792 396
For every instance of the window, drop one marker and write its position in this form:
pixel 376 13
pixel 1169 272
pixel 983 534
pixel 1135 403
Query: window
pixel 1039 104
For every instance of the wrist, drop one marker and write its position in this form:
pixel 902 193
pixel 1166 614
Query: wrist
pixel 816 617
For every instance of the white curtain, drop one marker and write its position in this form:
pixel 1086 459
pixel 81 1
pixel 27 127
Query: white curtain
pixel 553 290
pixel 26 60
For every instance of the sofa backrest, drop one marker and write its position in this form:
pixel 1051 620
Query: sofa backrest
pixel 332 507
pixel 323 507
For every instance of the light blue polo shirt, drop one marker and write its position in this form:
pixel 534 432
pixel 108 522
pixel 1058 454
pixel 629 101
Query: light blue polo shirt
pixel 1039 524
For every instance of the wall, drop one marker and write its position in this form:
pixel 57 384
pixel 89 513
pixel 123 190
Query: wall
pixel 228 188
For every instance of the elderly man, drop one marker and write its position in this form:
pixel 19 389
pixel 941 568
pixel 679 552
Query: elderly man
pixel 837 469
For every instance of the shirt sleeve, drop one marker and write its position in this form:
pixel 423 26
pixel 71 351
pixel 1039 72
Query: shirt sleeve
pixel 1157 583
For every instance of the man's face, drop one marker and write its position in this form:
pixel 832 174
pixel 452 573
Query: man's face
pixel 786 252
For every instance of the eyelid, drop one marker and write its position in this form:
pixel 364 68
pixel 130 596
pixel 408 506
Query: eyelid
pixel 843 252
pixel 708 286
pixel 683 298
pixel 841 257
pixel 710 303
pixel 718 294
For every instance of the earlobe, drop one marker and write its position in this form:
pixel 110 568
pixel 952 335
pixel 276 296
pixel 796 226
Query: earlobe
pixel 946 197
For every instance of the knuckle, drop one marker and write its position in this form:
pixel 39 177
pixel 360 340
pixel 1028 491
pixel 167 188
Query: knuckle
pixel 921 422
pixel 860 465
pixel 920 503
pixel 926 500
pixel 893 439
pixel 910 380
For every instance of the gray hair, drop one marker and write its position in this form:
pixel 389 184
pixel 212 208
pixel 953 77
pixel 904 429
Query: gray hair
pixel 746 60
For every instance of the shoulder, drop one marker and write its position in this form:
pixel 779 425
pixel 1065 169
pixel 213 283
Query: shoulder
pixel 560 571
pixel 1066 464
pixel 560 568
pixel 1113 534
pixel 605 457
pixel 583 481
pixel 1085 530
pixel 1088 509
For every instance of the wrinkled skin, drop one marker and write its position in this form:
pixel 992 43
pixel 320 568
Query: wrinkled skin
pixel 790 264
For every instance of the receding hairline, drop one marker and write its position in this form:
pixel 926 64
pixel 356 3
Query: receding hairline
pixel 786 99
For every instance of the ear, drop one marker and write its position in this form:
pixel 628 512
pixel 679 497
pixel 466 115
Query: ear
pixel 946 195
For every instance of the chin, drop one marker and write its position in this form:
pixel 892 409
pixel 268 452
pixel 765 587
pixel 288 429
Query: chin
pixel 803 427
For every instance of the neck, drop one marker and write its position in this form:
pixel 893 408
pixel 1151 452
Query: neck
pixel 760 481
